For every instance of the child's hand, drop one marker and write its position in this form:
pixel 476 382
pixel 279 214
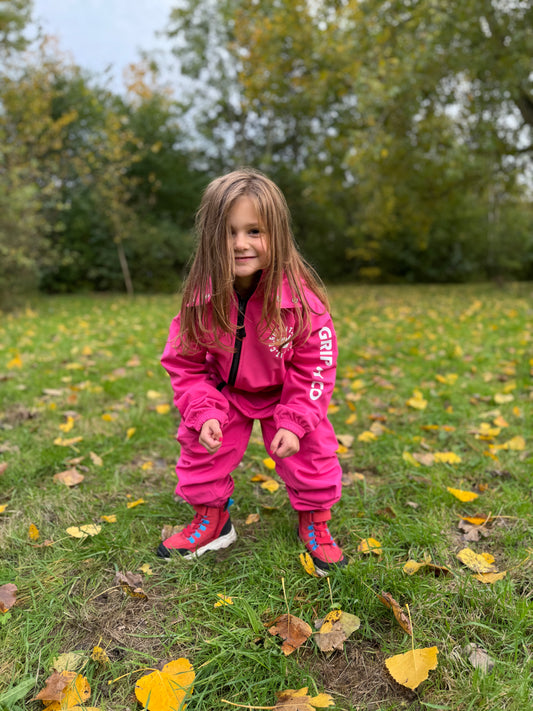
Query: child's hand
pixel 284 443
pixel 211 436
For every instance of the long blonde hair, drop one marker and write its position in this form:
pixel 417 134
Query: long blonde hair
pixel 208 290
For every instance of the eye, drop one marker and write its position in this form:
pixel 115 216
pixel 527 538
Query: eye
pixel 255 231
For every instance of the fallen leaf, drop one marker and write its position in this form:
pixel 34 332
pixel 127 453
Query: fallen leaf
pixel 412 566
pixel 100 655
pixel 146 569
pixel 370 545
pixel 298 700
pixel 69 661
pixel 270 485
pixel 131 584
pixel 292 630
pixel 401 617
pixel 163 408
pixel 490 577
pixel 89 529
pixel 413 667
pixel 417 401
pixel 425 458
pixel 462 495
pixel 133 504
pixel 335 629
pixel 3 507
pixel 109 519
pixel 479 563
pixel 8 596
pixel 130 432
pixel 33 532
pixel 478 657
pixel 447 458
pixel 224 600
pixel 252 518
pixel 269 463
pixel 95 459
pixel 308 564
pixel 345 439
pixel 70 477
pixel 67 442
pixel 64 696
pixel 367 436
pixel 166 689
pixel 3 467
pixel 153 395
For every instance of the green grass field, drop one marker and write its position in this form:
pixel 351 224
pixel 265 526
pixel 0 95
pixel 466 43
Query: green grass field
pixel 434 390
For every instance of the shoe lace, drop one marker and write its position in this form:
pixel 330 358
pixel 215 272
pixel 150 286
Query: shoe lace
pixel 319 531
pixel 198 522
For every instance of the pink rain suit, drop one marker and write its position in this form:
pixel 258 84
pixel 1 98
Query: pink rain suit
pixel 289 387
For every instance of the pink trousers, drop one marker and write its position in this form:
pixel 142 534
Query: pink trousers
pixel 312 476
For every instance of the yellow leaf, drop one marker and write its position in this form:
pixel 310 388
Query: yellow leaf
pixel 33 532
pixel 412 566
pixel 78 690
pixel 252 518
pixel 108 417
pixel 99 655
pixel 517 444
pixel 15 362
pixel 479 563
pixel 462 495
pixel 367 436
pixel 408 457
pixel 490 577
pixel 153 395
pixel 269 463
pixel 163 408
pixel 351 419
pixel 448 379
pixel 67 442
pixel 341 449
pixel 95 459
pixel 413 667
pixel 502 398
pixel 308 565
pixel 133 504
pixel 89 529
pixel 447 457
pixel 147 466
pixel 501 422
pixel 109 519
pixel 369 545
pixel 417 401
pixel 68 425
pixel 146 569
pixel 223 600
pixel 166 689
pixel 130 432
pixel 3 507
pixel 270 485
pixel 329 619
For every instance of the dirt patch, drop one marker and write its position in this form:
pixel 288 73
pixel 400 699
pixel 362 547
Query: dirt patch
pixel 359 675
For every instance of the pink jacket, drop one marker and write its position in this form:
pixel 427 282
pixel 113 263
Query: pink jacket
pixel 293 385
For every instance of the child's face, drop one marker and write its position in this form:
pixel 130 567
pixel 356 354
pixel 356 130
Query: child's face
pixel 249 242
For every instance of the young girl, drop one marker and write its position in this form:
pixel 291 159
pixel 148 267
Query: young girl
pixel 253 340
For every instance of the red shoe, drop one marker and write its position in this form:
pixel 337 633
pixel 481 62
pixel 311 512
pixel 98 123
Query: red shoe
pixel 210 530
pixel 313 531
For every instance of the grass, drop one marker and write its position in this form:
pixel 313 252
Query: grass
pixel 95 359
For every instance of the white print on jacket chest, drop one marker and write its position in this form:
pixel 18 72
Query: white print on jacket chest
pixel 326 356
pixel 278 351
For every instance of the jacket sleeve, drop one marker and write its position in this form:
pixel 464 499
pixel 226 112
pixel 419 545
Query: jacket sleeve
pixel 195 396
pixel 309 380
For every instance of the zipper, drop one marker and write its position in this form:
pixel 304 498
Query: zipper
pixel 240 334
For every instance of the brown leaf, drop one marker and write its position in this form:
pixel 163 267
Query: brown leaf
pixel 55 686
pixel 292 630
pixel 131 584
pixel 335 629
pixel 8 596
pixel 478 657
pixel 299 700
pixel 401 617
pixel 3 467
pixel 70 477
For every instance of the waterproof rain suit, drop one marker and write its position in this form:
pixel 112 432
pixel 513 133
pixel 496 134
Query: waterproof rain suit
pixel 252 379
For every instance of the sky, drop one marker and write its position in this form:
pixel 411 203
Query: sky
pixel 99 33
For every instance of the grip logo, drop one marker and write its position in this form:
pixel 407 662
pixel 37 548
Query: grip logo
pixel 326 356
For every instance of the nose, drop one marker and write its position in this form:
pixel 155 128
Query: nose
pixel 239 241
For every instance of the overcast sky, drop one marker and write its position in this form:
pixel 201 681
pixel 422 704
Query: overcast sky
pixel 102 32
